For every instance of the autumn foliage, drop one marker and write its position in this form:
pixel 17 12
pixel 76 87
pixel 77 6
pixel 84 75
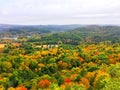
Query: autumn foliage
pixel 87 66
pixel 44 83
pixel 21 88
pixel 67 80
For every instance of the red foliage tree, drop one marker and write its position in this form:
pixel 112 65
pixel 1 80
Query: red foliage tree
pixel 44 83
pixel 21 88
pixel 81 59
pixel 67 80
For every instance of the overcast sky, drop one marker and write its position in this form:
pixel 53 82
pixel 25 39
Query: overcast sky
pixel 59 12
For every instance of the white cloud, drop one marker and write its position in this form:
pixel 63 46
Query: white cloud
pixel 59 11
pixel 4 12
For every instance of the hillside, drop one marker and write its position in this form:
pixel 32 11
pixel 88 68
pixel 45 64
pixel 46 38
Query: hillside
pixel 91 34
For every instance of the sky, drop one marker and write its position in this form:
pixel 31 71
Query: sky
pixel 36 12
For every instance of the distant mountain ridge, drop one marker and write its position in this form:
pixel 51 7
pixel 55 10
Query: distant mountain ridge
pixel 68 34
pixel 57 28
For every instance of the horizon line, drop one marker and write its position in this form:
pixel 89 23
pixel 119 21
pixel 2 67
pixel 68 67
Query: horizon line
pixel 59 24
